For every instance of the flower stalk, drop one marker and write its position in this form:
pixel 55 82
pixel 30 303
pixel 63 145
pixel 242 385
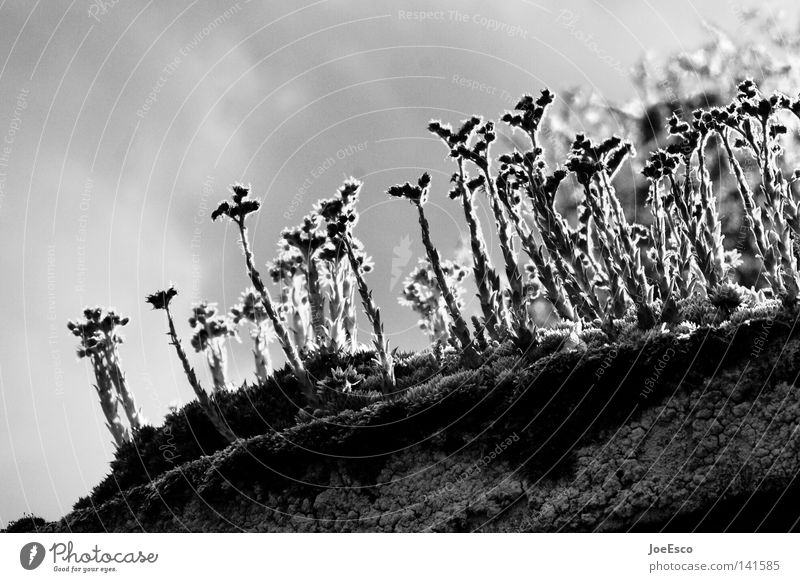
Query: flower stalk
pixel 211 329
pixel 341 217
pixel 249 309
pixel 161 300
pixel 237 212
pixel 100 337
pixel 418 194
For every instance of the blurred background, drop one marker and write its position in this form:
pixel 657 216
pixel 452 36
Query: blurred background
pixel 122 124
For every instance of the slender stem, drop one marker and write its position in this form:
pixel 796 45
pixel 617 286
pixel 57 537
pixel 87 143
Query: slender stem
pixel 689 227
pixel 663 259
pixel 337 337
pixel 506 242
pixel 350 327
pixel 485 276
pixel 374 316
pixel 711 226
pixel 109 403
pixel 554 231
pixel 544 272
pixel 218 363
pixel 118 378
pixel 280 331
pixel 461 330
pixel 205 402
pixel 752 214
pixel 315 301
pixel 261 353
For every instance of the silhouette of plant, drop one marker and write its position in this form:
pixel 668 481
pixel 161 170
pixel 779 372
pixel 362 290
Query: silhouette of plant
pixel 606 276
pixel 251 310
pixel 293 306
pixel 341 217
pixel 340 291
pixel 463 189
pixel 417 194
pixel 99 335
pixel 161 300
pixel 237 211
pixel 211 329
pixel 308 241
pixel 421 292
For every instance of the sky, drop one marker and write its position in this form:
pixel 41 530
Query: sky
pixel 122 124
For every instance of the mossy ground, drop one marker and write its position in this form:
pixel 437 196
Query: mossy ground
pixel 663 430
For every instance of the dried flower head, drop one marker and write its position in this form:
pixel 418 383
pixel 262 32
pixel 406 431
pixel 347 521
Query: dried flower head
pixel 161 299
pixel 528 112
pixel 416 194
pixel 340 212
pixel 250 308
pixel 98 330
pixel 306 237
pixel 208 325
pixel 241 206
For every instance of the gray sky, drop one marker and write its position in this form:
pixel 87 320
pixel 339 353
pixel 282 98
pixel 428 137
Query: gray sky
pixel 123 122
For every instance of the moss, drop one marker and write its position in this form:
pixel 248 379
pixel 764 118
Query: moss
pixel 588 448
pixel 28 523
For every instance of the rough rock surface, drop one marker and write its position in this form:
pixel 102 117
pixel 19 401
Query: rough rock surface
pixel 672 433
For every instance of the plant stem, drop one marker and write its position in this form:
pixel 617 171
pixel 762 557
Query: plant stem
pixel 470 355
pixel 315 301
pixel 486 278
pixel 350 327
pixel 206 404
pixel 555 234
pixel 752 217
pixel 335 327
pixel 118 378
pixel 658 232
pixel 711 227
pixel 217 363
pixel 374 316
pixel 261 354
pixel 288 347
pixel 544 271
pixel 109 403
pixel 506 244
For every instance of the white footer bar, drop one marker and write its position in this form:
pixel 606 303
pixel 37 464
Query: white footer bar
pixel 405 557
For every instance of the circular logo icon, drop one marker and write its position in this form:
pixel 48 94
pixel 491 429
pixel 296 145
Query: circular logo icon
pixel 31 555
